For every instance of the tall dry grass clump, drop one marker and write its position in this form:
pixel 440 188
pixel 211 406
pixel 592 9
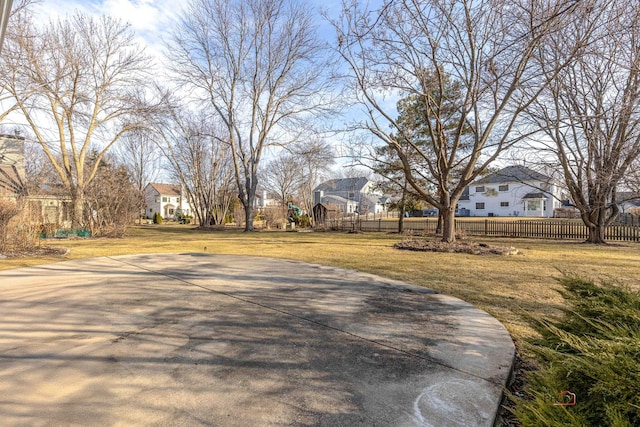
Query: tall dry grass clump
pixel 17 233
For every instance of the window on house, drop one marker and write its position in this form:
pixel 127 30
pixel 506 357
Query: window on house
pixel 352 195
pixel 157 199
pixel 533 205
pixel 504 187
pixel 480 189
pixel 480 205
pixel 171 211
pixel 504 204
pixel 164 199
pixel 177 199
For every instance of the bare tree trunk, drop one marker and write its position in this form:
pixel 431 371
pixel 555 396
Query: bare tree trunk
pixel 439 224
pixel 402 208
pixel 248 212
pixel 77 214
pixel 596 234
pixel 596 222
pixel 448 225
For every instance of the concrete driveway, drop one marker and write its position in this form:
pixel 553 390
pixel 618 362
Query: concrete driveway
pixel 195 339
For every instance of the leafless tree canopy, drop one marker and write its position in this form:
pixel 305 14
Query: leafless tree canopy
pixel 315 157
pixel 421 48
pixel 18 9
pixel 255 63
pixel 282 178
pixel 200 161
pixel 590 113
pixel 139 153
pixel 75 82
pixel 294 174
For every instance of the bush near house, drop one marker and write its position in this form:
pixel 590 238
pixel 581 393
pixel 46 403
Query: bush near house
pixel 593 352
pixel 8 210
pixel 157 218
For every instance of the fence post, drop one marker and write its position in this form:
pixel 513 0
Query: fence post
pixel 486 227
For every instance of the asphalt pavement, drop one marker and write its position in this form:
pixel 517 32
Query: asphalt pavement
pixel 197 339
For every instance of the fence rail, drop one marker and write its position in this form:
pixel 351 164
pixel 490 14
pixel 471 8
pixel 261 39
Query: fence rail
pixel 551 229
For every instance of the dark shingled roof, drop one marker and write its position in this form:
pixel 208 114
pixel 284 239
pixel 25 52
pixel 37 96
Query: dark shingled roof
pixel 343 184
pixel 166 189
pixel 513 174
pixel 535 196
pixel 10 179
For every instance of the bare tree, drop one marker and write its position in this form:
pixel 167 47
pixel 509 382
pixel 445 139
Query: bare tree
pixel 315 159
pixel 632 180
pixel 282 177
pixel 139 153
pixel 483 49
pixel 76 83
pixel 201 162
pixel 112 202
pixel 256 63
pixel 10 10
pixel 590 114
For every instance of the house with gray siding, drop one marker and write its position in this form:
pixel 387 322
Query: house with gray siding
pixel 352 195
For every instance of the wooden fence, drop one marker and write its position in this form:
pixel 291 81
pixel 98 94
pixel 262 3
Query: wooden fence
pixel 541 229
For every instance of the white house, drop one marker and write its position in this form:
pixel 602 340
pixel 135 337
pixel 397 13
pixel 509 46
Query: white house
pixel 168 199
pixel 263 201
pixel 351 195
pixel 512 191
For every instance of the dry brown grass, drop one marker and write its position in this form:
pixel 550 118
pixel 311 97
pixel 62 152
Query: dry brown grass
pixel 513 288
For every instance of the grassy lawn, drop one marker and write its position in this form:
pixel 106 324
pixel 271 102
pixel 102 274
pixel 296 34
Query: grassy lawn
pixel 512 288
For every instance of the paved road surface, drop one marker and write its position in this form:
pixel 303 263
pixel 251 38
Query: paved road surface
pixel 195 339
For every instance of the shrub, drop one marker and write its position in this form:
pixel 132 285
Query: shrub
pixel 157 218
pixel 592 351
pixel 111 201
pixel 8 209
pixel 304 221
pixel 17 232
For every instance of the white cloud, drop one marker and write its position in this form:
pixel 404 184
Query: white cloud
pixel 149 19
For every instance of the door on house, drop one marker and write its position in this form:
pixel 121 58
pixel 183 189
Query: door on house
pixel 169 211
pixel 50 214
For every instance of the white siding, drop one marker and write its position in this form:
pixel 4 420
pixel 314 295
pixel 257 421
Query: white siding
pixel 510 201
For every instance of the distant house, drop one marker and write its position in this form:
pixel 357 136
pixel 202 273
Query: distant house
pixel 168 199
pixel 351 195
pixel 627 200
pixel 50 205
pixel 47 204
pixel 12 174
pixel 512 191
pixel 263 200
